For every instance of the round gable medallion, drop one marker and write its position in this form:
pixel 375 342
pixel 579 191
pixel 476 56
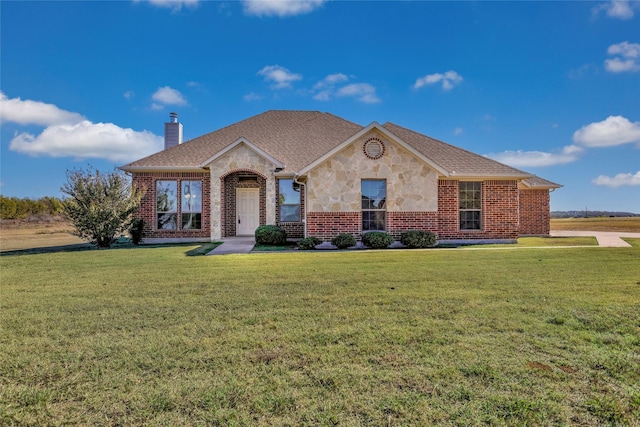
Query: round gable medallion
pixel 373 148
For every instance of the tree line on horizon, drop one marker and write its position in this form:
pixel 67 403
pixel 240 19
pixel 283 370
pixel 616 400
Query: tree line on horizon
pixel 12 208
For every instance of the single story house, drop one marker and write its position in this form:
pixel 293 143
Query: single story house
pixel 316 174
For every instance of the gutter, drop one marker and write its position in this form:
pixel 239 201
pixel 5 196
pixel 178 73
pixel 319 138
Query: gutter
pixel 304 220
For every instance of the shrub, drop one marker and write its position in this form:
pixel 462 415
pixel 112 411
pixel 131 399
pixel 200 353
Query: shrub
pixel 343 241
pixel 377 239
pixel 418 239
pixel 308 243
pixel 100 205
pixel 270 235
pixel 137 230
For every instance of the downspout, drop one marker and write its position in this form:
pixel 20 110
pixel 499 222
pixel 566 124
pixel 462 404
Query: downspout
pixel 304 220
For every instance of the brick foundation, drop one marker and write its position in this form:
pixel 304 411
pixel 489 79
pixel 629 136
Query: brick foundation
pixel 326 225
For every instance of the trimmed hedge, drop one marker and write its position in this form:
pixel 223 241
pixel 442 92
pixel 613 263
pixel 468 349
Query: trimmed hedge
pixel 418 239
pixel 270 235
pixel 308 243
pixel 343 241
pixel 377 239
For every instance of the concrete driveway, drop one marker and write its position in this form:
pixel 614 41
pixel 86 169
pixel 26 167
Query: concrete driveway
pixel 607 239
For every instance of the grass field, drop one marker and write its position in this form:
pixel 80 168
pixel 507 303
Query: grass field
pixel 627 224
pixel 37 236
pixel 151 336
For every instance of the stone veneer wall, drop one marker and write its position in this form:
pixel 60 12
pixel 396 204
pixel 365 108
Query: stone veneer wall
pixel 241 158
pixel 147 211
pixel 535 215
pixel 335 185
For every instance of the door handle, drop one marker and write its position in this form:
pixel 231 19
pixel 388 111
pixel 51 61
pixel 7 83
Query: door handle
pixel 238 220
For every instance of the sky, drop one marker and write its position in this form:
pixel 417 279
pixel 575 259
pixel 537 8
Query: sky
pixel 552 88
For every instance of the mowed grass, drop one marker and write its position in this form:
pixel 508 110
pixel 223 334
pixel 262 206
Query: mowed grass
pixel 622 224
pixel 151 336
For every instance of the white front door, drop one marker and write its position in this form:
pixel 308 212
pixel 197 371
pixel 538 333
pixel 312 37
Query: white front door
pixel 247 211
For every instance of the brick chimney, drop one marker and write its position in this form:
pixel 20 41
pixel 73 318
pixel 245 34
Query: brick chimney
pixel 172 131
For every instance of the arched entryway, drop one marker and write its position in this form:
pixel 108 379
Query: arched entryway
pixel 243 203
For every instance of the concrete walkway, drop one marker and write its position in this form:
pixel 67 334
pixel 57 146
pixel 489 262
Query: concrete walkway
pixel 234 245
pixel 606 239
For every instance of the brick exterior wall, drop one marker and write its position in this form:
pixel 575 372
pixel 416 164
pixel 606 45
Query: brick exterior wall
pixel 326 225
pixel 507 212
pixel 147 211
pixel 229 185
pixel 500 219
pixel 399 222
pixel 535 215
pixel 294 230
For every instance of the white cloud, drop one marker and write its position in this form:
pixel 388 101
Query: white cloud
pixel 85 140
pixel 626 49
pixel 364 92
pixel 448 80
pixel 331 80
pixel 457 131
pixel 614 130
pixel 280 8
pixel 29 112
pixel 327 86
pixel 618 180
pixel 69 134
pixel 129 94
pixel 617 65
pixel 628 57
pixel 280 76
pixel 252 97
pixel 167 96
pixel 620 9
pixel 175 5
pixel 524 159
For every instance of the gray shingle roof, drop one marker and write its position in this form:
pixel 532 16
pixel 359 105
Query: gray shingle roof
pixel 457 161
pixel 536 182
pixel 298 138
pixel 295 138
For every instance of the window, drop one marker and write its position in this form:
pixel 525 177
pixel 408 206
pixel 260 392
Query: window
pixel 167 205
pixel 374 204
pixel 470 205
pixel 191 206
pixel 289 200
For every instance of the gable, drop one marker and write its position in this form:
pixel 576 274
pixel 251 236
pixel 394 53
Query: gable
pixel 246 150
pixel 334 185
pixel 385 134
pixel 242 156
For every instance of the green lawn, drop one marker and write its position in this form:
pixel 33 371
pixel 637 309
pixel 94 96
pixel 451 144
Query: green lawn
pixel 151 336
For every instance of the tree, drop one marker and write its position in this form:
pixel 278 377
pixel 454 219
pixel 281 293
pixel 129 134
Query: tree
pixel 100 205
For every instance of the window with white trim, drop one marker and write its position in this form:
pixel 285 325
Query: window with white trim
pixel 374 204
pixel 470 205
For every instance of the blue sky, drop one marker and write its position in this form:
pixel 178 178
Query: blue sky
pixel 549 87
